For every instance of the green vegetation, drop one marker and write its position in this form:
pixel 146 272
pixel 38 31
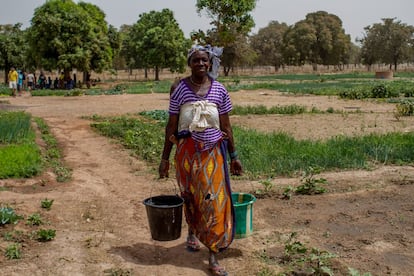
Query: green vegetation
pixel 143 136
pixel 268 155
pixel 272 154
pixel 261 109
pixel 34 219
pixel 46 203
pixel 30 231
pixel 14 127
pixel 13 251
pixel 44 235
pixel 298 259
pixel 19 154
pixel 52 153
pixel 8 216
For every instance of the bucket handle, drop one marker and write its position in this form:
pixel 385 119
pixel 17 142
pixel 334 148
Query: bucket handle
pixel 166 180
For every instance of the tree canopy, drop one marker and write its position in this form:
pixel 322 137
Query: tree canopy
pixel 318 39
pixel 65 35
pixel 268 43
pixel 389 42
pixel 231 19
pixel 12 47
pixel 156 41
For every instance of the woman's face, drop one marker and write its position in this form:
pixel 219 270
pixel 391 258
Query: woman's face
pixel 199 63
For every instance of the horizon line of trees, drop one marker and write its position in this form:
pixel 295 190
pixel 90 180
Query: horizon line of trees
pixel 65 35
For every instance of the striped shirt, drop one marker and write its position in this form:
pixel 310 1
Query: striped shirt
pixel 217 95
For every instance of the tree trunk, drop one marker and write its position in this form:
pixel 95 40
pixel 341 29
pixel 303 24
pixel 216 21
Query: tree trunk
pixel 226 71
pixel 157 73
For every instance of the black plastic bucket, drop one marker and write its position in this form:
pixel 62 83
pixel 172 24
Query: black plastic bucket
pixel 164 216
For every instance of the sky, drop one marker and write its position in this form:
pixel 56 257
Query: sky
pixel 355 14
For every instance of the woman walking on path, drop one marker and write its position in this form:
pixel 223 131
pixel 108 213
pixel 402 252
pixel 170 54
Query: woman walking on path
pixel 199 126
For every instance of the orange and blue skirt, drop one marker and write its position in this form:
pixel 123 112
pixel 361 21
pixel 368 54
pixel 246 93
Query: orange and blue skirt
pixel 205 187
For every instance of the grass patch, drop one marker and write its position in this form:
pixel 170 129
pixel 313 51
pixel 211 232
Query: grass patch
pixel 53 156
pixel 144 136
pixel 14 127
pixel 262 110
pixel 19 154
pixel 268 155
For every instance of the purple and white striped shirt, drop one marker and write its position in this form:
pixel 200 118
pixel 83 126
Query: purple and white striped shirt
pixel 217 94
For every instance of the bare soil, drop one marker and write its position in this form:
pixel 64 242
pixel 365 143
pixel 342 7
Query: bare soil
pixel 366 218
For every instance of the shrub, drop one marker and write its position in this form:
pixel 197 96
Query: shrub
pixel 405 108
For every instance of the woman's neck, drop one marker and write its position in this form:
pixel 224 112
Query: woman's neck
pixel 197 81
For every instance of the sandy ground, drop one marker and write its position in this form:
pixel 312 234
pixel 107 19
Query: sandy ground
pixel 366 218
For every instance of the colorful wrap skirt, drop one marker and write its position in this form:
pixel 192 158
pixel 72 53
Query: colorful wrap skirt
pixel 204 183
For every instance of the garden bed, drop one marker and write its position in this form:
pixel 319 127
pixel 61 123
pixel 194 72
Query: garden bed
pixel 365 217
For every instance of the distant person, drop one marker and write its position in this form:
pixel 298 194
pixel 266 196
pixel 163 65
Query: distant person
pixel 49 82
pixel 42 80
pixel 56 83
pixel 20 82
pixel 13 77
pixel 30 81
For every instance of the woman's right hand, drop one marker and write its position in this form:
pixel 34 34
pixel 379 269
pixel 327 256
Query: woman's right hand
pixel 164 168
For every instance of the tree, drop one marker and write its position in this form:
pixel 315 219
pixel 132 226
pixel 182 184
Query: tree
pixel 389 42
pixel 12 47
pixel 230 20
pixel 318 39
pixel 156 41
pixel 268 43
pixel 65 35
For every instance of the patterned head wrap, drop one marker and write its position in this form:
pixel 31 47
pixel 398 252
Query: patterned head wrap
pixel 214 54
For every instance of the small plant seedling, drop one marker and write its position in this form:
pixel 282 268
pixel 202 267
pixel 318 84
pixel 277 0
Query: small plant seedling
pixel 8 216
pixel 34 219
pixel 46 203
pixel 267 187
pixel 287 192
pixel 13 251
pixel 311 185
pixel 355 272
pixel 45 235
pixel 15 236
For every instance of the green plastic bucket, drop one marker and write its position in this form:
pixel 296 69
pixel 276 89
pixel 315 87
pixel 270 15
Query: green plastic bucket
pixel 243 208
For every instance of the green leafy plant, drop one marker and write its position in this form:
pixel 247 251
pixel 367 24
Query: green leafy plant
pixel 13 251
pixel 267 187
pixel 405 108
pixel 15 235
pixel 311 185
pixel 44 235
pixel 8 216
pixel 355 272
pixel 34 219
pixel 310 261
pixel 46 203
pixel 287 192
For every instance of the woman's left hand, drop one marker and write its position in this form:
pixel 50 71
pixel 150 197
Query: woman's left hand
pixel 236 167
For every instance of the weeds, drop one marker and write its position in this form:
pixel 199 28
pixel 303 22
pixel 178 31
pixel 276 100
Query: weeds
pixel 8 216
pixel 34 219
pixel 52 153
pixel 13 251
pixel 267 188
pixel 44 235
pixel 300 259
pixel 311 185
pixel 46 203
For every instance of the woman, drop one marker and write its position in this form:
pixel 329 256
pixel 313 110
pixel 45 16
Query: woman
pixel 199 126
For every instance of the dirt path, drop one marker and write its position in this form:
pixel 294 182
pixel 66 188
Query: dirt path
pixel 367 218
